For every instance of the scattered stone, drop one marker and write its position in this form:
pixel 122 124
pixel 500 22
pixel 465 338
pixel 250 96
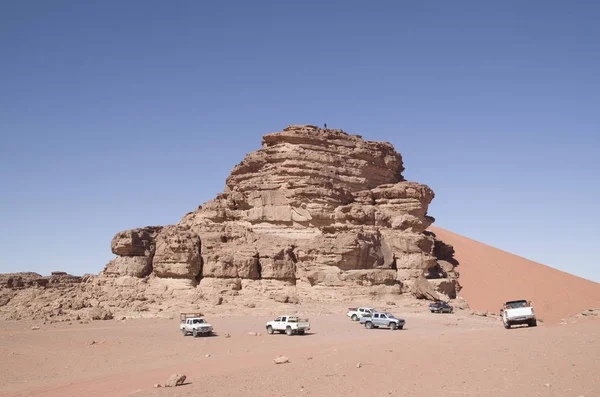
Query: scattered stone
pixel 309 358
pixel 208 355
pixel 157 385
pixel 358 365
pixel 92 342
pixel 390 303
pixel 253 333
pixel 35 328
pixel 591 312
pixel 97 313
pixel 281 360
pixel 479 313
pixel 217 301
pixel 227 335
pixel 548 385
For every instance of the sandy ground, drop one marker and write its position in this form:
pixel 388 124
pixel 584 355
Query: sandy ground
pixel 436 355
pixel 490 276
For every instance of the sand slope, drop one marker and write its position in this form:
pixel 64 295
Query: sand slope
pixel 490 276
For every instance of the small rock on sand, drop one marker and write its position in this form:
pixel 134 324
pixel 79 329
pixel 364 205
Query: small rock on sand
pixel 35 328
pixel 281 360
pixel 175 380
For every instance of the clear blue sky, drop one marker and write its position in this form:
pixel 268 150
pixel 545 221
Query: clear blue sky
pixel 120 114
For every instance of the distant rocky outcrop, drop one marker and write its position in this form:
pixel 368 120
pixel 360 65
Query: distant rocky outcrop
pixel 315 214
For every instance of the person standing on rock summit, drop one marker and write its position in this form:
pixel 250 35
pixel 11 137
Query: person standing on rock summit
pixel 325 125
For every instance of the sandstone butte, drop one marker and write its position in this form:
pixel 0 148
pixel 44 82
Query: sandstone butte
pixel 315 215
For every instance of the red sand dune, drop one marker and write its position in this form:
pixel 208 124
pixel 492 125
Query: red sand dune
pixel 490 276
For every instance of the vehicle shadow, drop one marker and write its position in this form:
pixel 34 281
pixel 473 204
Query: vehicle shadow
pixel 284 334
pixel 521 326
pixel 213 335
pixel 386 329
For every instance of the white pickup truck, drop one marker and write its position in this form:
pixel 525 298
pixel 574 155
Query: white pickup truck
pixel 518 312
pixel 289 324
pixel 355 313
pixel 194 323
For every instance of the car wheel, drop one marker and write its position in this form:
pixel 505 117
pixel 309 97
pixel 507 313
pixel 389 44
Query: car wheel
pixel 368 325
pixel 533 323
pixel 289 331
pixel 507 325
pixel 270 330
pixel 195 333
pixel 354 317
pixel 400 327
pixel 393 326
pixel 183 332
pixel 301 332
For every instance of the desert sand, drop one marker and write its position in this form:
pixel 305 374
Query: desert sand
pixel 436 355
pixel 490 276
pixel 458 354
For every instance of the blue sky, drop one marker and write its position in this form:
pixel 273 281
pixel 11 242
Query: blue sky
pixel 116 114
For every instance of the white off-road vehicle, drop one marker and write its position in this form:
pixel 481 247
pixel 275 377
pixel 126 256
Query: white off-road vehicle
pixel 194 324
pixel 355 313
pixel 291 325
pixel 518 312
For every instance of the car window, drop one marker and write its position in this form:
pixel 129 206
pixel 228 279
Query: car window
pixel 382 316
pixel 283 318
pixel 376 315
pixel 278 319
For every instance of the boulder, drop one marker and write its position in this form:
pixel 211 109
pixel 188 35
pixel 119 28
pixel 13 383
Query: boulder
pixel 135 266
pixel 98 313
pixel 422 289
pixel 281 360
pixel 135 242
pixel 175 380
pixel 448 287
pixel 177 253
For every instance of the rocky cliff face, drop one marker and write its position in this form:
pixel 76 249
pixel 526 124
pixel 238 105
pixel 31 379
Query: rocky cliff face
pixel 313 215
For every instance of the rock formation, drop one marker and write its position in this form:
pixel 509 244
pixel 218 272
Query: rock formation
pixel 315 214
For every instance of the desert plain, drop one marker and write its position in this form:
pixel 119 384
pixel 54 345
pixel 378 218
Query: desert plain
pixel 459 354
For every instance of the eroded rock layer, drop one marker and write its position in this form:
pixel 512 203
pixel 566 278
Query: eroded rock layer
pixel 315 214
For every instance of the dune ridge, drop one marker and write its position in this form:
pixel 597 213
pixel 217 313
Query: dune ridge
pixel 489 276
